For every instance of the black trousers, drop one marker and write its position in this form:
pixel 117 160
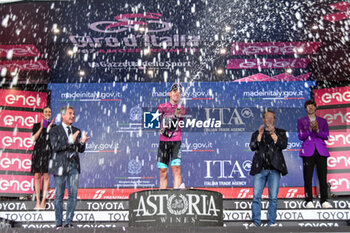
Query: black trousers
pixel 321 168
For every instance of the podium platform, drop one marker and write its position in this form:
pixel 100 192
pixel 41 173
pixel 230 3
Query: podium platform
pixel 191 207
pixel 113 216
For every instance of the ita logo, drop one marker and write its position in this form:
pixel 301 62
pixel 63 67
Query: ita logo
pixel 151 120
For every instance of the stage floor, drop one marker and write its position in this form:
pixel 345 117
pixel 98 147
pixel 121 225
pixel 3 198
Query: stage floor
pixel 112 216
pixel 184 230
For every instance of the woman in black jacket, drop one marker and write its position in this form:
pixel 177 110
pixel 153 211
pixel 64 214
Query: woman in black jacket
pixel 41 156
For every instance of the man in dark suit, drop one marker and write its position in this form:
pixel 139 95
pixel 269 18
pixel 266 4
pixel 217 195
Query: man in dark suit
pixel 267 167
pixel 66 143
pixel 313 131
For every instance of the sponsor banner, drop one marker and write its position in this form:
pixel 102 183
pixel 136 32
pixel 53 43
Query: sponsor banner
pixel 227 192
pixel 307 224
pixel 91 96
pixel 290 215
pixel 283 204
pixel 336 116
pixel 79 216
pixel 197 95
pixel 294 144
pixel 121 35
pixel 277 78
pixel 339 160
pixel 24 80
pixel 340 182
pixel 19 119
pixel 124 22
pixel 247 192
pixel 332 96
pixel 277 63
pixel 78 225
pixel 100 194
pixel 23 99
pixel 15 162
pixel 34 218
pixel 26 65
pixel 320 224
pixel 6 206
pixel 16 184
pixel 175 208
pixel 343 7
pixel 16 140
pixel 292 224
pixel 292 192
pixel 217 119
pixel 103 205
pixel 113 114
pixel 140 64
pixel 336 16
pixel 338 138
pixel 24 50
pixel 138 51
pixel 223 119
pixel 110 205
pixel 272 48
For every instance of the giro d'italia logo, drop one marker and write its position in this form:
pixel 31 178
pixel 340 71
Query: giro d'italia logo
pixel 151 120
pixel 177 204
pixel 123 22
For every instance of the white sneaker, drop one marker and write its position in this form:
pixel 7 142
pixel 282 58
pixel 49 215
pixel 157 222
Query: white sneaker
pixel 253 225
pixel 273 225
pixel 182 186
pixel 309 205
pixel 326 205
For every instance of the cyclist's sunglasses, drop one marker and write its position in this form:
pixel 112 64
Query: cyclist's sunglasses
pixel 176 86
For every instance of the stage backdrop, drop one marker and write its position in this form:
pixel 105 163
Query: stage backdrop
pixel 333 104
pixel 121 155
pixel 19 110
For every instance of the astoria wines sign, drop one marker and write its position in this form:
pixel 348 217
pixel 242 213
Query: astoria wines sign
pixel 176 208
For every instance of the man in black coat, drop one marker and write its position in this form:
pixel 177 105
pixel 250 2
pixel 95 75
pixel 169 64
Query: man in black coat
pixel 268 165
pixel 66 143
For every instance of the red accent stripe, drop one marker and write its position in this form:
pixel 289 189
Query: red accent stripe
pixel 108 151
pixel 111 99
pixel 228 193
pixel 202 150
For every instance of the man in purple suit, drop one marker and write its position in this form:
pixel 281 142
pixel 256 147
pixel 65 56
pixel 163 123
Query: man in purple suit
pixel 313 131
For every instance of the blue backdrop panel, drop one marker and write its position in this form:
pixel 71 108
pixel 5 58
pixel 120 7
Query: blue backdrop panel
pixel 123 154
